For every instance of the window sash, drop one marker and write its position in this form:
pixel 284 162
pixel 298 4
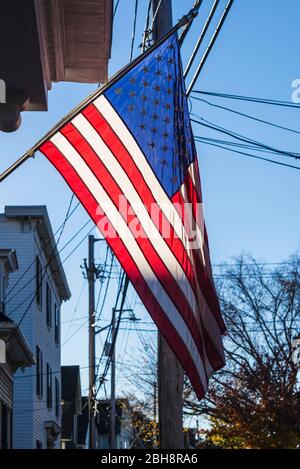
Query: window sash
pixel 38 282
pixel 56 324
pixel 49 305
pixel 49 387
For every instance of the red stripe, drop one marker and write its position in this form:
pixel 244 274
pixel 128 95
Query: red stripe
pixel 206 286
pixel 149 251
pixel 120 152
pixel 122 254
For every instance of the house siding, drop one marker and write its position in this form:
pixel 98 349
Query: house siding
pixel 30 410
pixel 6 386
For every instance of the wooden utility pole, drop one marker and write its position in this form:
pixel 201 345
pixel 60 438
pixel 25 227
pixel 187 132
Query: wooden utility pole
pixel 90 270
pixel 113 382
pixel 114 332
pixel 170 373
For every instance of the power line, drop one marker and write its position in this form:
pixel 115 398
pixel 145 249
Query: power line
pixel 187 27
pixel 242 138
pixel 133 30
pixel 201 37
pixel 238 145
pixel 272 102
pixel 234 111
pixel 116 8
pixel 44 281
pixel 209 47
pixel 74 333
pixel 53 253
pixel 76 307
pixel 146 36
pixel 46 244
pixel 251 156
pixel 59 252
pixel 106 289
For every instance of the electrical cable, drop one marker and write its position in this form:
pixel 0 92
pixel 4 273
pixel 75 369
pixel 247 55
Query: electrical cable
pixel 187 27
pixel 59 252
pixel 251 156
pixel 209 47
pixel 133 30
pixel 46 243
pixel 272 102
pixel 242 138
pixel 200 38
pixel 234 111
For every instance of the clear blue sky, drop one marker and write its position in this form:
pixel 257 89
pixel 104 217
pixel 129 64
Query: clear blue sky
pixel 249 205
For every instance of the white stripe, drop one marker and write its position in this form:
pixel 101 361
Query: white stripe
pixel 108 112
pixel 132 246
pixel 205 257
pixel 113 167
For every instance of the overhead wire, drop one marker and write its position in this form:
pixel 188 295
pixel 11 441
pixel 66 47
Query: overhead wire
pixel 209 47
pixel 272 102
pixel 212 126
pixel 234 111
pixel 185 30
pixel 279 163
pixel 41 249
pixel 133 30
pixel 200 38
pixel 45 280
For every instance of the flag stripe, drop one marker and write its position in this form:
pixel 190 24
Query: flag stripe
pixel 130 158
pixel 120 129
pixel 130 242
pixel 172 325
pixel 190 194
pixel 167 276
pixel 126 161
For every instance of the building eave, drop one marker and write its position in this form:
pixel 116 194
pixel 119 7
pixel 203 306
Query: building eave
pixel 19 354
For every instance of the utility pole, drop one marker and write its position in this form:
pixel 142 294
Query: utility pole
pixel 113 383
pixel 170 373
pixel 114 332
pixel 92 273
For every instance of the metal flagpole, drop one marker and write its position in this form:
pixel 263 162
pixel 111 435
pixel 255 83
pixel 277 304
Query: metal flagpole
pixel 30 153
pixel 170 373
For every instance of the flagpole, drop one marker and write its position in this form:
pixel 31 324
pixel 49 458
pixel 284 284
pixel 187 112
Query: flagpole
pixel 30 153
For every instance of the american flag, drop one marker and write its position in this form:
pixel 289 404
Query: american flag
pixel 130 158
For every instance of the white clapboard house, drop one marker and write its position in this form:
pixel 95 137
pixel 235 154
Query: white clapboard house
pixel 35 299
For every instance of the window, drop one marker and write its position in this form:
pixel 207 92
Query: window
pixel 5 426
pixel 49 305
pixel 39 279
pixel 2 294
pixel 57 398
pixel 56 323
pixel 38 444
pixel 49 387
pixel 39 371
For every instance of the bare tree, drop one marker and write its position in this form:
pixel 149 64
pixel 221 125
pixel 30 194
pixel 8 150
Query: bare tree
pixel 254 402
